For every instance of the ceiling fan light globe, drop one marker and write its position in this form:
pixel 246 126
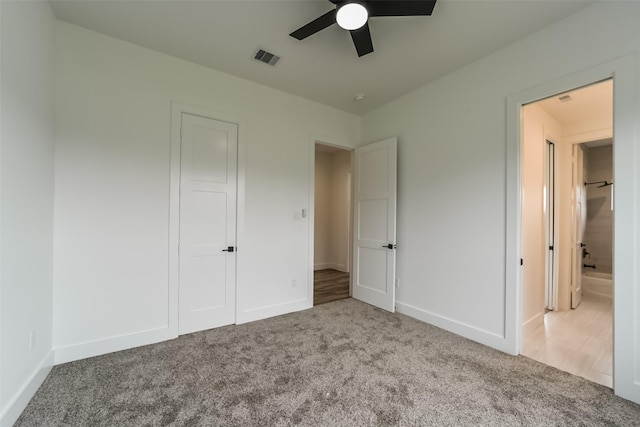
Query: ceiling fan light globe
pixel 352 16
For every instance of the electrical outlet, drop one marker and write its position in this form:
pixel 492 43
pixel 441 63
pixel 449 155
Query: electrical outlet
pixel 293 283
pixel 32 339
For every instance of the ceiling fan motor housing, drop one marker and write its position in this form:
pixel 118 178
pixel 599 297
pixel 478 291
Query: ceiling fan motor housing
pixel 359 29
pixel 351 15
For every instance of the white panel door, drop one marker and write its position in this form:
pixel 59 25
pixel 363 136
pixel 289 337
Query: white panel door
pixel 579 222
pixel 208 175
pixel 374 260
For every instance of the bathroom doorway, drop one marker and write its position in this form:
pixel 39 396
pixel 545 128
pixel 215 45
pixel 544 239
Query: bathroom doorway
pixel 567 238
pixel 332 223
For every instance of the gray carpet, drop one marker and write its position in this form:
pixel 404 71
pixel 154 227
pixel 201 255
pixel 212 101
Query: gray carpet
pixel 339 364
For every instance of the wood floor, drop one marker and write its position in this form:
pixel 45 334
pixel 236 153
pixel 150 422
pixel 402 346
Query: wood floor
pixel 329 285
pixel 577 341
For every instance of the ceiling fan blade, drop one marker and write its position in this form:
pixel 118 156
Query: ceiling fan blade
pixel 362 40
pixel 400 7
pixel 316 25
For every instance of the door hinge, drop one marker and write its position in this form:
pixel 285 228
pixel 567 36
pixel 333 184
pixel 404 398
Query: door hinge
pixel 551 247
pixel 521 261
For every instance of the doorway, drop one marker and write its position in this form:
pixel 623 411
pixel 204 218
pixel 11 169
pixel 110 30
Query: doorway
pixel 332 223
pixel 565 322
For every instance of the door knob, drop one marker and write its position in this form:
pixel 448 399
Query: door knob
pixel 229 249
pixel 389 246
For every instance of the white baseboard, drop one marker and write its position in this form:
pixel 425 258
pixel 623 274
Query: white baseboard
pixel 70 353
pixel 18 402
pixel 481 336
pixel 597 294
pixel 341 267
pixel 273 310
pixel 99 347
pixel 532 323
pixel 331 265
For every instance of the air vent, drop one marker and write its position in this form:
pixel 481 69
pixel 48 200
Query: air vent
pixel 267 57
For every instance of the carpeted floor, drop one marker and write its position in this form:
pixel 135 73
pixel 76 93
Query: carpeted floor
pixel 343 363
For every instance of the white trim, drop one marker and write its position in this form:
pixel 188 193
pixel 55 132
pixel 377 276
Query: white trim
pixel 102 346
pixel 260 313
pixel 177 109
pixel 626 159
pixel 534 322
pixel 553 298
pixel 332 266
pixel 21 399
pixel 322 265
pixel 313 140
pixel 463 329
pixel 311 232
pixel 596 135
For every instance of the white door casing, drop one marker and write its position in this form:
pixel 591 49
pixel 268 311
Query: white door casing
pixel 374 261
pixel 626 372
pixel 207 265
pixel 551 291
pixel 579 207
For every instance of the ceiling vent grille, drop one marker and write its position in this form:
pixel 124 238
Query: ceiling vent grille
pixel 267 57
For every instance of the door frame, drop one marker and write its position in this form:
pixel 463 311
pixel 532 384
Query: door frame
pixel 177 109
pixel 313 140
pixel 622 71
pixel 551 227
pixel 577 179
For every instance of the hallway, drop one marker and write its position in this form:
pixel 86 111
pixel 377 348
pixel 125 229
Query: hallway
pixel 329 285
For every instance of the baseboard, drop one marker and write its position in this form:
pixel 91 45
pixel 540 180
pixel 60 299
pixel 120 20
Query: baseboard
pixel 331 265
pixel 532 323
pixel 597 294
pixel 273 310
pixel 17 404
pixel 473 333
pixel 99 347
pixel 341 267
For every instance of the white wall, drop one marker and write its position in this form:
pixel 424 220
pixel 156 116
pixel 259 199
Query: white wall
pixel 538 127
pixel 26 225
pixel 322 209
pixel 452 202
pixel 112 189
pixel 340 219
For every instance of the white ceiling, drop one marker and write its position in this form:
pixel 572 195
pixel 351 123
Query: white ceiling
pixel 587 105
pixel 409 51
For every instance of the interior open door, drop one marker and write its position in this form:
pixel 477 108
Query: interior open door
pixel 374 255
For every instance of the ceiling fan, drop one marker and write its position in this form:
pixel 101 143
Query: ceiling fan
pixel 353 16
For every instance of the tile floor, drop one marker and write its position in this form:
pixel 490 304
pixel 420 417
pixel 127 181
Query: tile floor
pixel 577 341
